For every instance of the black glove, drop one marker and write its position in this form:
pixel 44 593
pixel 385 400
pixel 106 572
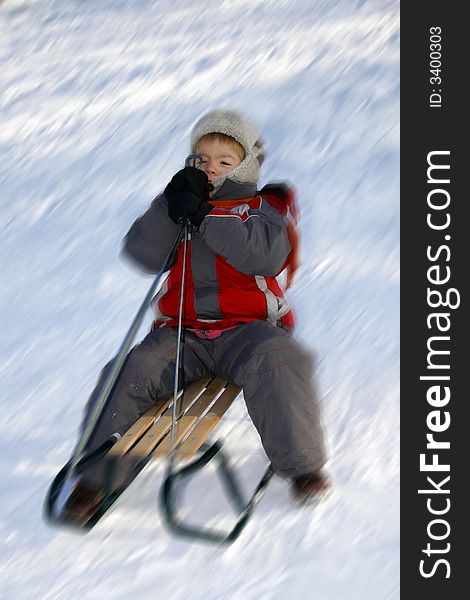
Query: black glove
pixel 191 180
pixel 185 204
pixel 186 193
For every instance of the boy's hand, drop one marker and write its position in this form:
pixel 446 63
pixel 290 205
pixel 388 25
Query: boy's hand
pixel 186 205
pixel 185 194
pixel 191 180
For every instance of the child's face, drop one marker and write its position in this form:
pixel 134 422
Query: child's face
pixel 219 157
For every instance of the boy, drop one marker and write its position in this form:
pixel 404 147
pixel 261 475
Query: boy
pixel 237 322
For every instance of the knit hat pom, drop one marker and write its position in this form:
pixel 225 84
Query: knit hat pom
pixel 233 124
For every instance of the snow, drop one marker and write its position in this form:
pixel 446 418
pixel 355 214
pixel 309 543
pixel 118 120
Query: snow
pixel 97 102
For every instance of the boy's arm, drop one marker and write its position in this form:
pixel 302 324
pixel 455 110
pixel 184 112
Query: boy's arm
pixel 151 237
pixel 255 242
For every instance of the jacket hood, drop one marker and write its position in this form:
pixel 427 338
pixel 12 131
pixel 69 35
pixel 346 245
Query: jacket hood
pixel 233 124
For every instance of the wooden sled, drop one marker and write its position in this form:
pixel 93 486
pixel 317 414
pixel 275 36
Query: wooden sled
pixel 199 408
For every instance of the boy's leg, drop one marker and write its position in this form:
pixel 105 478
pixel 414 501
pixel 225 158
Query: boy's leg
pixel 147 375
pixel 275 372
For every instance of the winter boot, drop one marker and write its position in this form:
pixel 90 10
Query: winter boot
pixel 83 502
pixel 309 488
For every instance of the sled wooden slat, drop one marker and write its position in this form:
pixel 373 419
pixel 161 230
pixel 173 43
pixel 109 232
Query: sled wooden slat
pixel 138 429
pixel 191 417
pixel 200 433
pixel 146 421
pixel 182 428
pixel 161 427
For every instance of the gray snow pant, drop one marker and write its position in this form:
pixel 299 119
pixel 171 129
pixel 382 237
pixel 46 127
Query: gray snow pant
pixel 273 369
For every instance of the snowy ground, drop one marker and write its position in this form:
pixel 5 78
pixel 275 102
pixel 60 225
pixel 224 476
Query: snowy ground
pixel 97 99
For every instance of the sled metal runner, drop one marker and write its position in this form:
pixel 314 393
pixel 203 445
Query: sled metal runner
pixel 198 411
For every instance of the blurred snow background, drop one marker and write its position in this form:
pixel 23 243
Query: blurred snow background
pixel 97 101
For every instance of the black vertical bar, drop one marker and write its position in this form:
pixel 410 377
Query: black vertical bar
pixel 434 258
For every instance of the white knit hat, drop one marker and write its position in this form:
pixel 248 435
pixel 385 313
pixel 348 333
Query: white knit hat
pixel 233 124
